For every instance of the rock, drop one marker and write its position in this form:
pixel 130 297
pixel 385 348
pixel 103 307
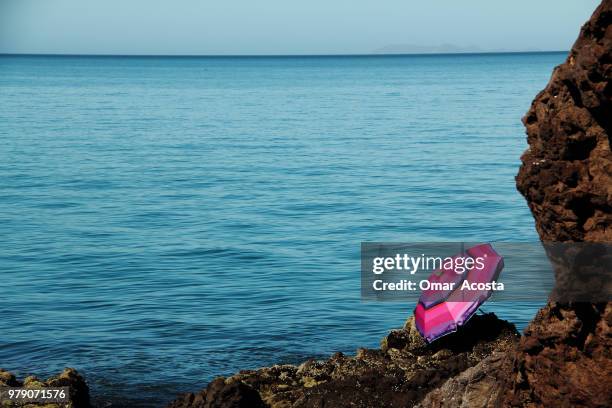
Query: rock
pixel 564 357
pixel 8 379
pixel 482 385
pixel 399 374
pixel 78 389
pixel 222 393
pixel 566 174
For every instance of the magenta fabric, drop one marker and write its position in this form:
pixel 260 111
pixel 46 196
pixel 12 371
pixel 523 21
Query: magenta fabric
pixel 432 297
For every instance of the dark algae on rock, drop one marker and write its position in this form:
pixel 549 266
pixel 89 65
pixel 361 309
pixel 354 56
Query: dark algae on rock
pixel 399 374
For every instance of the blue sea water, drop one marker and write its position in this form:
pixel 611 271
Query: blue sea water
pixel 166 220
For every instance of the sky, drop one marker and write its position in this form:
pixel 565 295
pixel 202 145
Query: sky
pixel 279 27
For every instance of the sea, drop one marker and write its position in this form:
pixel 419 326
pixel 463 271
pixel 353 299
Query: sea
pixel 165 220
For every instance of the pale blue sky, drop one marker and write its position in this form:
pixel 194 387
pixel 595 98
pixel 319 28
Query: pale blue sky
pixel 285 26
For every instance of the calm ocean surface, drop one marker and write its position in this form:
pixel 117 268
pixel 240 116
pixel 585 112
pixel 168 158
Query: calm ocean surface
pixel 166 220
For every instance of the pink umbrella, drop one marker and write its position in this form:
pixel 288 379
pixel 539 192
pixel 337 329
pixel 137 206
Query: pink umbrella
pixel 440 312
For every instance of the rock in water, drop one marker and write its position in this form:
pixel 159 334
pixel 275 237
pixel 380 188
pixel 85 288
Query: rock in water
pixel 221 393
pixel 78 389
pixel 564 358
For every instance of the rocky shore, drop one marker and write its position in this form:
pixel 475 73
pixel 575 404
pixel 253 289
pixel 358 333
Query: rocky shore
pixel 399 374
pixel 565 355
pixel 563 359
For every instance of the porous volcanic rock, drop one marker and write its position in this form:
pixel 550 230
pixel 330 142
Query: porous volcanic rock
pixel 564 357
pixel 78 389
pixel 566 173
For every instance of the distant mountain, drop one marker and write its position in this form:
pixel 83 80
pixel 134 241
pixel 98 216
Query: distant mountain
pixel 437 49
pixel 424 49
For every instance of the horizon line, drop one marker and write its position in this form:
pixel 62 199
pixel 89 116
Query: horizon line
pixel 373 54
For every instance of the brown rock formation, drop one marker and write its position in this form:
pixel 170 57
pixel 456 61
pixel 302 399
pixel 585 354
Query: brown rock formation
pixel 482 385
pixel 564 358
pixel 566 175
pixel 78 389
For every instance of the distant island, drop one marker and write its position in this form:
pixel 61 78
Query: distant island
pixel 441 49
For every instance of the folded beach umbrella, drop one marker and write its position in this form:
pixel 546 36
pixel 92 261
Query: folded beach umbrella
pixel 441 311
